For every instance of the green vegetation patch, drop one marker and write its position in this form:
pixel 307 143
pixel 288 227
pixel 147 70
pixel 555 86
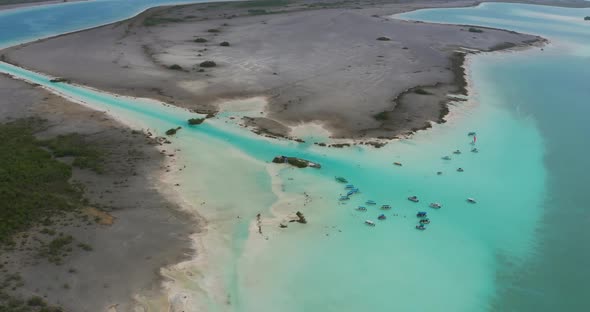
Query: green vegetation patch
pixel 73 145
pixel 475 30
pixel 33 185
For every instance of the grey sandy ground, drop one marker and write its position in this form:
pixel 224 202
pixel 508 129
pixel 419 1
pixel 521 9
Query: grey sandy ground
pixel 148 233
pixel 314 63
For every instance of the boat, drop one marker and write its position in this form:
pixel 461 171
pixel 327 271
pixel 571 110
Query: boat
pixel 355 190
pixel 424 221
pixel 369 223
pixel 435 205
pixel 439 172
pixel 361 208
pixel 421 214
pixel 371 202
pixel 381 217
pixel 349 186
pixel 457 152
pixel 341 180
pixel 386 207
pixel 397 163
pixel 460 170
pixel 446 157
pixel 342 198
pixel 413 199
pixel 471 200
pixel 472 133
pixel 474 150
pixel 421 227
pixel 349 193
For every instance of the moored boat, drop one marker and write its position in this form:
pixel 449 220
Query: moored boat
pixel 421 214
pixel 349 186
pixel 369 223
pixel 421 227
pixel 361 208
pixel 435 205
pixel 413 199
pixel 341 179
pixel 424 221
pixel 446 157
pixel 471 200
pixel 457 152
pixel 371 202
pixel 474 150
pixel 381 217
pixel 343 198
pixel 397 163
pixel 472 133
pixel 386 207
pixel 460 170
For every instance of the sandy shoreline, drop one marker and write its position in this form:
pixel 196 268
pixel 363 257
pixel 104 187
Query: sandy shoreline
pixel 345 93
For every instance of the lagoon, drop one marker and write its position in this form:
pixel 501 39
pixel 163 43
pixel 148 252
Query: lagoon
pixel 504 253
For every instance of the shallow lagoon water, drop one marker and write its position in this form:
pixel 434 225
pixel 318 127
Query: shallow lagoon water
pixel 335 262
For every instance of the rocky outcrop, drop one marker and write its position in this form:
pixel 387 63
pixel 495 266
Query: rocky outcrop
pixel 296 162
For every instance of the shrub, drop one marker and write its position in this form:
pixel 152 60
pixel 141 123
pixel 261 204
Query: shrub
pixel 381 116
pixel 383 38
pixel 195 121
pixel 224 44
pixel 475 30
pixel 208 64
pixel 421 91
pixel 175 67
pixel 200 40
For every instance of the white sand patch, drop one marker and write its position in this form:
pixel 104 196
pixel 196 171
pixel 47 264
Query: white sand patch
pixel 254 106
pixel 310 129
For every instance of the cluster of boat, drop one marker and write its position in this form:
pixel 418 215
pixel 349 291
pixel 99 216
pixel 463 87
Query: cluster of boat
pixel 422 216
pixel 422 220
pixel 350 190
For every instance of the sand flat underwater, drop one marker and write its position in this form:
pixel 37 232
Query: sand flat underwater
pixel 337 263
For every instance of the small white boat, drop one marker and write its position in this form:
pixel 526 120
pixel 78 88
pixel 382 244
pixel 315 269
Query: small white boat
pixel 413 199
pixel 471 200
pixel 369 223
pixel 435 205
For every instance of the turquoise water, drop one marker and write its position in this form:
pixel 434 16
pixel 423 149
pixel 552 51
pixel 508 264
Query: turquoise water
pixel 505 253
pixel 552 87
